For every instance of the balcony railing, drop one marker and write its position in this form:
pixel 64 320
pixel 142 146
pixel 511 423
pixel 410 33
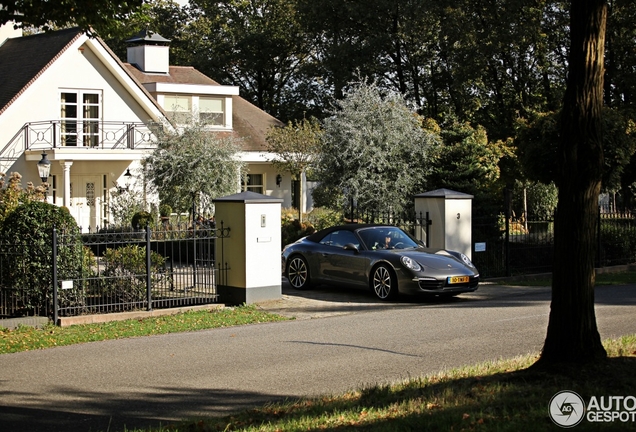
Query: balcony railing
pixel 78 134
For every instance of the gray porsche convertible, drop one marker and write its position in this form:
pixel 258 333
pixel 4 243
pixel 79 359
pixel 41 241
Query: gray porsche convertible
pixel 381 257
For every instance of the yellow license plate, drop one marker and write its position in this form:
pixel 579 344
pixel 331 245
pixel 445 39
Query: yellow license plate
pixel 458 279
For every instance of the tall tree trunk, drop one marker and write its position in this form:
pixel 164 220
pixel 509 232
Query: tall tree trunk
pixel 572 334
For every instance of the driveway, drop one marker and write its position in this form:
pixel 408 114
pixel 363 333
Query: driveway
pixel 325 301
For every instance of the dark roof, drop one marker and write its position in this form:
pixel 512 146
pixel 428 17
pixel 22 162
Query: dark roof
pixel 176 75
pixel 248 121
pixel 252 123
pixel 25 58
pixel 148 37
pixel 250 197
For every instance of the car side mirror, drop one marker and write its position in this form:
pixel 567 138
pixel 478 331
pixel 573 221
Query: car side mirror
pixel 351 246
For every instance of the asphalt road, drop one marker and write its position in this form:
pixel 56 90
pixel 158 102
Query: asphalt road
pixel 339 342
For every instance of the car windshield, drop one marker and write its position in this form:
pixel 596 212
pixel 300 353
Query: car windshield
pixel 377 238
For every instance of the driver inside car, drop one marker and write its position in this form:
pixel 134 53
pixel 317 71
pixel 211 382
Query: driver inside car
pixel 383 244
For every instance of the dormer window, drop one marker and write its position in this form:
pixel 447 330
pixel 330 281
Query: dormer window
pixel 211 111
pixel 179 108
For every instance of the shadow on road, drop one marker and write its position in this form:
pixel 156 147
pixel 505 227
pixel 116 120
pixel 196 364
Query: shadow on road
pixel 152 408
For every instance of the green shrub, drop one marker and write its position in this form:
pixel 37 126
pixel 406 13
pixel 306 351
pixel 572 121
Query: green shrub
pixel 618 241
pixel 142 219
pixel 165 210
pixel 29 228
pixel 292 230
pixel 322 218
pixel 125 273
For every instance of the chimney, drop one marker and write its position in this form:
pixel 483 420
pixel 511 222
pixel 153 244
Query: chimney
pixel 150 52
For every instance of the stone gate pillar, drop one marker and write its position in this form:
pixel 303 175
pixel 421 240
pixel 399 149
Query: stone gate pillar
pixel 450 213
pixel 252 249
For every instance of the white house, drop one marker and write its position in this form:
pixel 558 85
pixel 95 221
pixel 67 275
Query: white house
pixel 68 96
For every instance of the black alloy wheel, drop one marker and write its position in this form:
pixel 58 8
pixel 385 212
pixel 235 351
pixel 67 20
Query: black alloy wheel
pixel 383 283
pixel 298 272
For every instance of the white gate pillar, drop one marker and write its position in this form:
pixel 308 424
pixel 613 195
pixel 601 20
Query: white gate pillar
pixel 248 260
pixel 450 213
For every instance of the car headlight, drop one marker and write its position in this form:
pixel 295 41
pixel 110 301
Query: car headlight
pixel 467 260
pixel 410 264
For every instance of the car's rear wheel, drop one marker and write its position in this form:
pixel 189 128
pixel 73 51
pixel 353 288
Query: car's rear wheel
pixel 384 283
pixel 298 272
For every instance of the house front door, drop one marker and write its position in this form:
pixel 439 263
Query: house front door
pixel 86 201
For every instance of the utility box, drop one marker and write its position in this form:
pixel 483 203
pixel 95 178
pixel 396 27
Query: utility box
pixel 248 257
pixel 450 216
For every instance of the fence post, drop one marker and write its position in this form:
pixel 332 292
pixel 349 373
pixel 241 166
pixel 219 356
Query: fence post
pixel 54 277
pixel 194 242
pixel 429 222
pixel 508 204
pixel 148 269
pixel 598 238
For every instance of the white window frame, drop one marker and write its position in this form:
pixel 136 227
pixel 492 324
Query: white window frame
pixel 86 131
pixel 172 104
pixel 218 115
pixel 251 184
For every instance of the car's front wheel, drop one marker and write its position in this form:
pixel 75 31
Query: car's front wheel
pixel 298 272
pixel 383 283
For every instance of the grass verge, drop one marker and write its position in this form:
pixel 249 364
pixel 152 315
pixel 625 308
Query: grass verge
pixel 28 338
pixel 504 395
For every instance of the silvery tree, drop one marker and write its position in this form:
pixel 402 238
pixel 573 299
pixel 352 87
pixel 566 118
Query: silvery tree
pixel 193 163
pixel 375 150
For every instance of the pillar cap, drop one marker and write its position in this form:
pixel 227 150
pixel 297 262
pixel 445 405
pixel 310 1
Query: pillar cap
pixel 444 193
pixel 249 197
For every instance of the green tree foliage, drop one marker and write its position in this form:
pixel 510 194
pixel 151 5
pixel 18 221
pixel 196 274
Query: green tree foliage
pixel 534 200
pixel 467 162
pixel 256 44
pixel 193 164
pixel 295 147
pixel 29 228
pixel 482 62
pixel 159 16
pixel 620 56
pixel 48 14
pixel 375 150
pixel 538 150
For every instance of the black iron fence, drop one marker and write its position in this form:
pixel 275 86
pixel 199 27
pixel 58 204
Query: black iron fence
pixel 112 271
pixel 416 224
pixel 509 247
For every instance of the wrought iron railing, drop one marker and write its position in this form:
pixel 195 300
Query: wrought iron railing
pixel 78 134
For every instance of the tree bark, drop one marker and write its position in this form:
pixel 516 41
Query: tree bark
pixel 572 335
